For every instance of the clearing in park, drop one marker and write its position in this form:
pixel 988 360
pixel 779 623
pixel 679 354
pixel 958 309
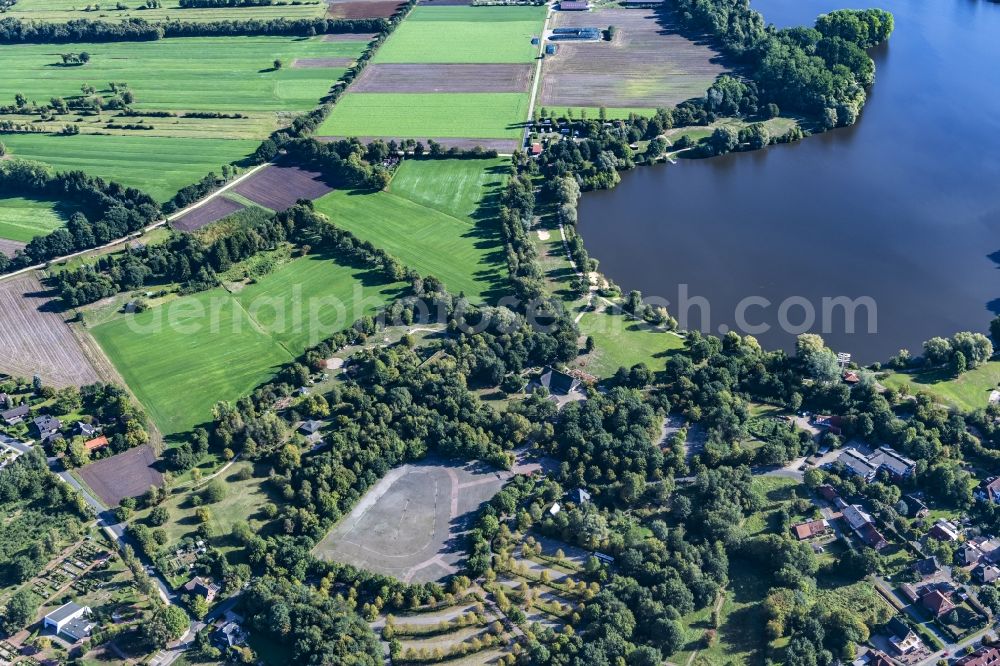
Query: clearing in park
pixel 410 524
pixel 646 65
pixel 183 356
pixel 437 217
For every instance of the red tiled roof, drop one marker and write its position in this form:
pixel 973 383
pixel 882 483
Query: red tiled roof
pixel 937 603
pixel 96 443
pixel 984 656
pixel 810 529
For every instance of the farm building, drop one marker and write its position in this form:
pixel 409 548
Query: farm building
pixel 574 5
pixel 575 34
pixel 642 4
pixel 551 49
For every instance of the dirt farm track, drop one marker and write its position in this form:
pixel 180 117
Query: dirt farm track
pixel 36 340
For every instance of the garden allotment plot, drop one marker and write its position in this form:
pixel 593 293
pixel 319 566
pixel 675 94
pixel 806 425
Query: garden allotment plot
pixel 460 75
pixel 185 77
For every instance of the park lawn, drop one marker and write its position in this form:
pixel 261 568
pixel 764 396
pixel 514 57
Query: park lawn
pixel 428 115
pixel 22 219
pixel 623 342
pixel 968 392
pixel 182 358
pixel 329 296
pixel 224 74
pixel 243 502
pixel 68 10
pixel 465 34
pixel 159 166
pixel 437 234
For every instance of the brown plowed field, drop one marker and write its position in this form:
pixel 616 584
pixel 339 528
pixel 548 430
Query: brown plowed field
pixel 358 9
pixel 8 247
pixel 279 187
pixel 128 474
pixel 37 341
pixel 444 79
pixel 316 63
pixel 203 215
pixel 499 145
pixel 647 65
pixel 348 37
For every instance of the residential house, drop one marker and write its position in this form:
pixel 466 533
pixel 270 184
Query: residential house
pixel 831 423
pixel 986 573
pixel 70 620
pixel 202 587
pixel 926 567
pixel 937 603
pixel 555 509
pixel 851 377
pixel 944 530
pixel 810 529
pixel 15 415
pixel 902 638
pixel 229 635
pixel 864 526
pixel 970 553
pixel 915 505
pixel 95 444
pixel 899 466
pixel 45 426
pixel 984 656
pixel 310 428
pixel 989 490
pixel 827 492
pixel 4 401
pixel 582 496
pixel 558 383
pixel 85 429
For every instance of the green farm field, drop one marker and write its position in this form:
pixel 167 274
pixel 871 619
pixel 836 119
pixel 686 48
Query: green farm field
pixel 22 219
pixel 229 74
pixel 158 166
pixel 331 297
pixel 428 115
pixel 448 231
pixel 69 10
pixel 465 35
pixel 219 345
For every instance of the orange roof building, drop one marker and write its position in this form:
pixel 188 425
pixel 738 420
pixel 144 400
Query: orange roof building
pixel 95 444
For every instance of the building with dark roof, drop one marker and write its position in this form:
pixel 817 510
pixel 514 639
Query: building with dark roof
pixel 574 5
pixel 202 587
pixel 71 620
pixel 902 638
pixel 46 426
pixel 15 415
pixel 986 573
pixel 229 635
pixel 310 428
pixel 557 382
pixel 926 567
pixel 989 490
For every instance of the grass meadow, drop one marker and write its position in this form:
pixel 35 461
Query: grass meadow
pixel 428 115
pixel 968 392
pixel 447 231
pixel 69 10
pixel 158 166
pixel 219 345
pixel 225 74
pixel 22 219
pixel 465 35
pixel 623 342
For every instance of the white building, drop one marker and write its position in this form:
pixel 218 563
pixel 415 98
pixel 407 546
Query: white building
pixel 71 620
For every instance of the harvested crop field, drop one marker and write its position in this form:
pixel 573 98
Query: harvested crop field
pixel 410 78
pixel 360 9
pixel 499 145
pixel 279 187
pixel 349 37
pixel 36 340
pixel 410 524
pixel 313 63
pixel 647 64
pixel 9 247
pixel 128 474
pixel 203 215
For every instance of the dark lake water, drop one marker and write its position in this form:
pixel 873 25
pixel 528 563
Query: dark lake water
pixel 903 208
